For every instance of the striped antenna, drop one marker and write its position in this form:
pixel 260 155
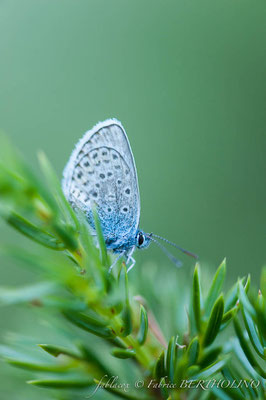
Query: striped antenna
pixel 177 262
pixel 188 253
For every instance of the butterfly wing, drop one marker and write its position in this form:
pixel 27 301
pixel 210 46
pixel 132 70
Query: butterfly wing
pixel 101 171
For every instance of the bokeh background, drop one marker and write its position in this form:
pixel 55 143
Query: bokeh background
pixel 188 81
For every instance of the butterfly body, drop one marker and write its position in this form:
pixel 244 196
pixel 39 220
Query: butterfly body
pixel 101 172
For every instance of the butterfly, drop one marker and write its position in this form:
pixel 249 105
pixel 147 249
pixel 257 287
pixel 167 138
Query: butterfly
pixel 101 173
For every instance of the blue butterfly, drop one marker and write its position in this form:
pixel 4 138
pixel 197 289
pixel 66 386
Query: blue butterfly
pixel 101 172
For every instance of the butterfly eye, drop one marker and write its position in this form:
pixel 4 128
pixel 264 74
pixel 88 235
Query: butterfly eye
pixel 140 239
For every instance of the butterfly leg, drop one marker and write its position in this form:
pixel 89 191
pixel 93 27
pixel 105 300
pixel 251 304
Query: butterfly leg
pixel 130 258
pixel 117 258
pixel 132 264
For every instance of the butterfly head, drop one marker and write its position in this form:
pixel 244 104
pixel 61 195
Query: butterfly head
pixel 142 240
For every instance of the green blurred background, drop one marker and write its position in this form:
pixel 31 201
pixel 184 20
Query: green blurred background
pixel 188 81
pixel 187 78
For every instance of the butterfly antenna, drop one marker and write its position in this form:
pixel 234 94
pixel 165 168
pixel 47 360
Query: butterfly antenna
pixel 188 253
pixel 177 262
